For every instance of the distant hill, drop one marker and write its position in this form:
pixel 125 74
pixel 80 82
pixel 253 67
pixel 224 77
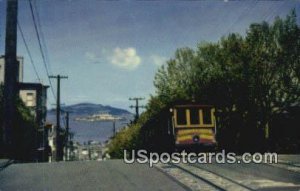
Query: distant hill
pixel 84 109
pixel 91 130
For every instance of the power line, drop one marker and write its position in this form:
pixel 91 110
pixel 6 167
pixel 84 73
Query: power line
pixel 42 35
pixel 245 12
pixel 28 52
pixel 41 49
pixel 272 14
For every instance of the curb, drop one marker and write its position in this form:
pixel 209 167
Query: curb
pixel 5 163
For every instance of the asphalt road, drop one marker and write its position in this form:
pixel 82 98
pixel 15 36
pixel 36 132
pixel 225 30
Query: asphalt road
pixel 89 175
pixel 116 175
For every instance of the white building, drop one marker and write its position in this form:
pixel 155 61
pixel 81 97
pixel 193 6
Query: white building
pixel 34 96
pixel 2 68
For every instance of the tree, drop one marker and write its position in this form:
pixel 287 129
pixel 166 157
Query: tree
pixel 24 131
pixel 252 80
pixel 249 79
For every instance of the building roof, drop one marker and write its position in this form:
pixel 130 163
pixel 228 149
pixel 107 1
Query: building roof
pixel 31 86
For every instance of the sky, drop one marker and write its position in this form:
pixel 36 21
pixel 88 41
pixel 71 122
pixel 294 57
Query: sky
pixel 111 50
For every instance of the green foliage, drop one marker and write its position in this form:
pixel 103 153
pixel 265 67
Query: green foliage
pixel 250 80
pixel 127 139
pixel 24 131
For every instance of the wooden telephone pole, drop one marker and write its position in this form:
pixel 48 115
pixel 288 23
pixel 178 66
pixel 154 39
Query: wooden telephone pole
pixel 137 106
pixel 67 125
pixel 59 149
pixel 67 146
pixel 11 76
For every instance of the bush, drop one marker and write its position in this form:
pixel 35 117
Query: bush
pixel 23 132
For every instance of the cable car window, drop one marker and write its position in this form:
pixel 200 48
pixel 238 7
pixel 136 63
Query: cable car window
pixel 194 116
pixel 181 116
pixel 206 116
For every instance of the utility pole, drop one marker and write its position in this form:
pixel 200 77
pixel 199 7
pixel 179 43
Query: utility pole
pixel 114 127
pixel 11 76
pixel 67 124
pixel 67 136
pixel 58 110
pixel 137 106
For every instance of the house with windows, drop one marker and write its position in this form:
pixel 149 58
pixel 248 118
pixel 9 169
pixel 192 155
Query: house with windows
pixel 34 96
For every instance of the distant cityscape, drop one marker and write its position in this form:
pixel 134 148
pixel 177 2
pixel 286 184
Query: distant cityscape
pixel 100 117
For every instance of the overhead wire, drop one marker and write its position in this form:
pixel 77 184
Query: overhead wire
pixel 40 47
pixel 29 53
pixel 272 14
pixel 267 17
pixel 244 13
pixel 42 35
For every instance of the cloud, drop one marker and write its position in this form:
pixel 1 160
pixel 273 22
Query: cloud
pixel 125 58
pixel 158 60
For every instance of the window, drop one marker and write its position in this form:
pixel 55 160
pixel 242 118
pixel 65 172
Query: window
pixel 194 116
pixel 206 116
pixel 29 99
pixel 29 95
pixel 181 116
